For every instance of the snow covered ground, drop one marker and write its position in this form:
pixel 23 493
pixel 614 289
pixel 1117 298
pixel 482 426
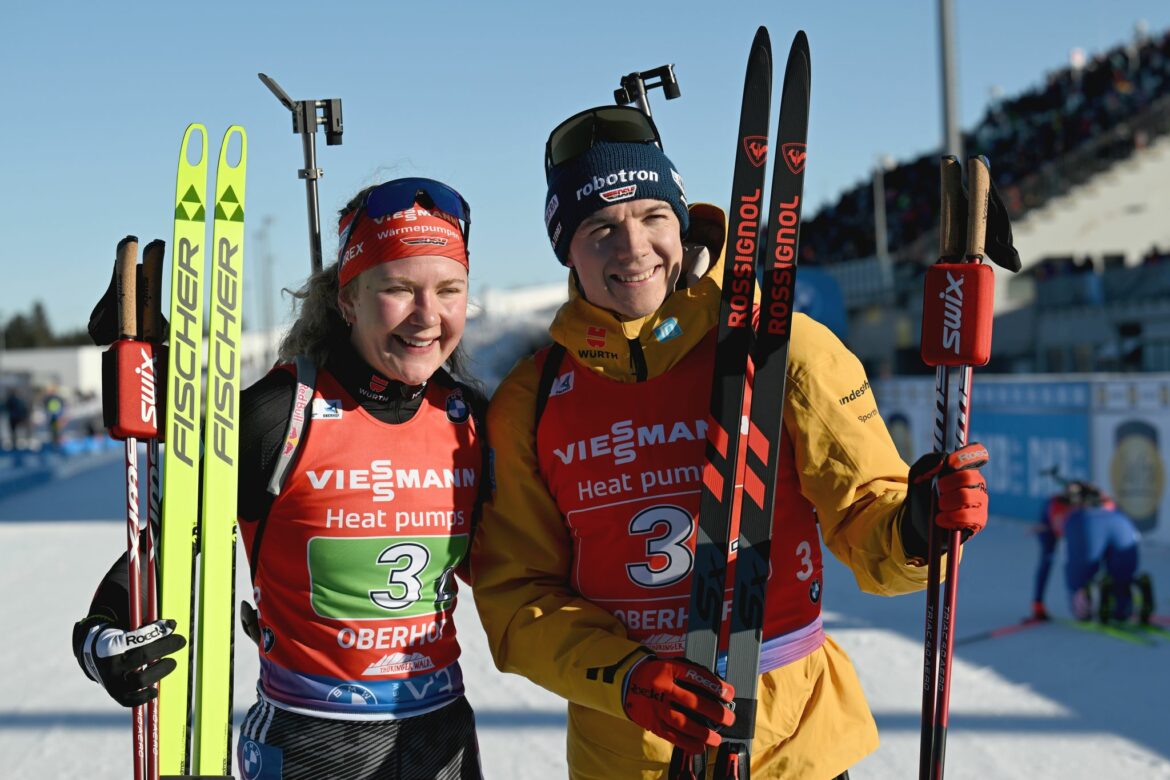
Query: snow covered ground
pixel 1047 702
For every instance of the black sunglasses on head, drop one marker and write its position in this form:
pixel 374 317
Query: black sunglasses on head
pixel 580 132
pixel 400 194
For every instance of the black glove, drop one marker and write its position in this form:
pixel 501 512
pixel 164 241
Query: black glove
pixel 250 621
pixel 128 663
pixel 103 320
pixel 999 245
pixel 954 480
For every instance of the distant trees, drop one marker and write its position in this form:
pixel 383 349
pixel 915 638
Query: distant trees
pixel 32 329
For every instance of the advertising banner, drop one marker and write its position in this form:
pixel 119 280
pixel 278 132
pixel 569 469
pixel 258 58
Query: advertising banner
pixel 1109 430
pixel 1131 425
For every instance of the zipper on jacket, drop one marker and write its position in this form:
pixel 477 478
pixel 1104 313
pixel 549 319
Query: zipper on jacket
pixel 638 360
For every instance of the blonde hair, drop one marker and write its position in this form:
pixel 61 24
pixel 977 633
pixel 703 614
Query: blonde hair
pixel 319 326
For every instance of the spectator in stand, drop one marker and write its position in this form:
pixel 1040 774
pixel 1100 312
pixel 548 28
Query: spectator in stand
pixel 1074 107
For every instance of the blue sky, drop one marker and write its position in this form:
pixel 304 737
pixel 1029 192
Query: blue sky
pixel 97 96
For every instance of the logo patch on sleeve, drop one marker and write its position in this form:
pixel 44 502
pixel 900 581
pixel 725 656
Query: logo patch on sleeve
pixel 668 330
pixel 562 385
pixel 326 409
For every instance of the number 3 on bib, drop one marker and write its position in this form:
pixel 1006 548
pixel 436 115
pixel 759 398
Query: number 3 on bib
pixel 667 529
pixel 365 578
pixel 804 555
pixel 405 587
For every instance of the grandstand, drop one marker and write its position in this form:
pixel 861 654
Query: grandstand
pixel 1082 163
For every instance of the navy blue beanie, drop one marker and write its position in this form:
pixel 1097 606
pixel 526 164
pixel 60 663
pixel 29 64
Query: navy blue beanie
pixel 606 174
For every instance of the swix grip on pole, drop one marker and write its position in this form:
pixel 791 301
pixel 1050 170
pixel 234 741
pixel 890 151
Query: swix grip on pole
pixel 128 378
pixel 958 304
pixel 957 309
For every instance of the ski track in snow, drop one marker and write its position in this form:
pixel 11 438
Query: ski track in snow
pixel 1049 701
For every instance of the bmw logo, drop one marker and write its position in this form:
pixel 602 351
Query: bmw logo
pixel 457 409
pixel 269 639
pixel 251 761
pixel 352 694
pixel 814 591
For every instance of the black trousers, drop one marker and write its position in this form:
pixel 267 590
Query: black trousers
pixel 276 744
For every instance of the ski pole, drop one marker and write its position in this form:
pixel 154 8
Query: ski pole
pixel 951 241
pixel 978 192
pixel 152 262
pixel 305 122
pixel 964 287
pixel 127 331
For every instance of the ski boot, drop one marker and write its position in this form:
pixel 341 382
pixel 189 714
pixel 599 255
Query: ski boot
pixel 1145 597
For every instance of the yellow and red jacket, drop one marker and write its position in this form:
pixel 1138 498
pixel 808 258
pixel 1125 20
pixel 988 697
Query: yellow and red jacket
pixel 580 564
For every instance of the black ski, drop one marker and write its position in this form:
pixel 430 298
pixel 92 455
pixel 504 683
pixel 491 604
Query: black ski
pixel 705 615
pixel 765 420
pixel 769 354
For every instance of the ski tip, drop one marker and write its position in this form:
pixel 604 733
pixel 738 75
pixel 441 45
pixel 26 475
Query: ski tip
pixel 194 155
pixel 798 52
pixel 238 151
pixel 235 130
pixel 800 43
pixel 761 50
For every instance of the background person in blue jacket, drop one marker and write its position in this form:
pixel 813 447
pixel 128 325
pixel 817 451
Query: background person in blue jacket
pixel 1102 540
